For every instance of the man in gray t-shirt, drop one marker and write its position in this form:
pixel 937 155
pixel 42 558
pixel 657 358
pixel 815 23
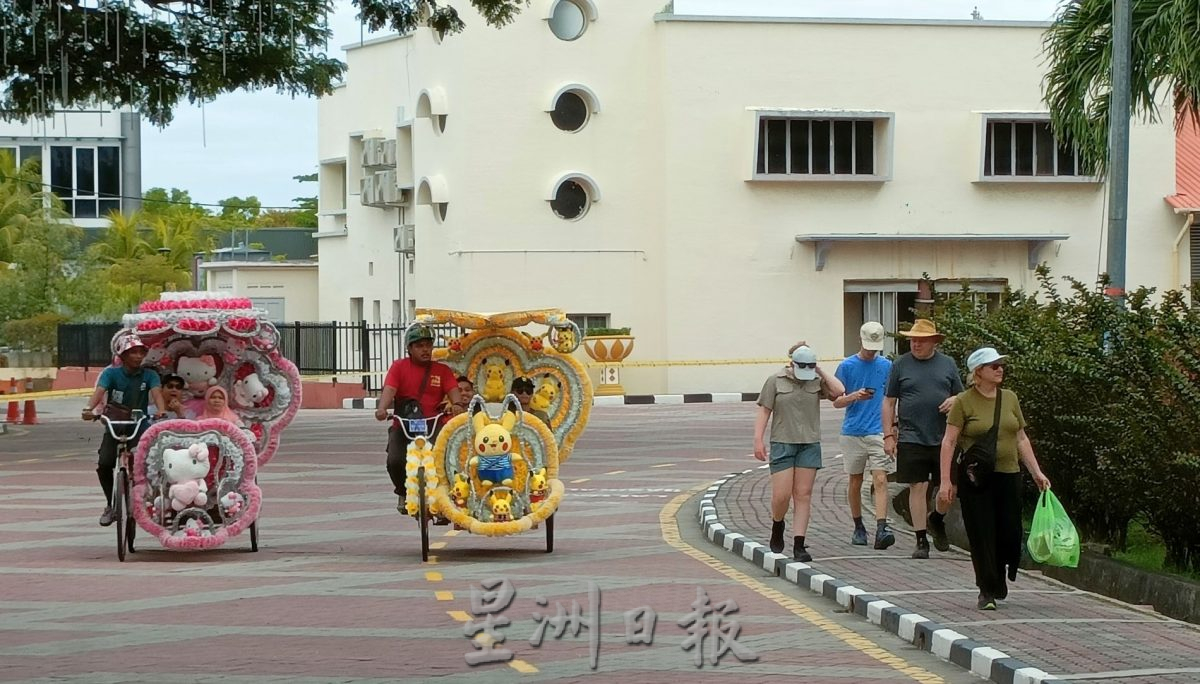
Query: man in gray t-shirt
pixel 924 382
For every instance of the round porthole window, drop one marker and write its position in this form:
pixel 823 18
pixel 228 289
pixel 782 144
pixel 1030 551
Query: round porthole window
pixel 570 200
pixel 570 112
pixel 568 21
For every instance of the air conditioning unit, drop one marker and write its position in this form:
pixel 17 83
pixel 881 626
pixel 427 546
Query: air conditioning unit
pixel 366 190
pixel 388 153
pixel 406 239
pixel 372 154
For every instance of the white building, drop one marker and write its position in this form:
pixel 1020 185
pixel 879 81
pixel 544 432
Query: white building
pixel 722 185
pixel 286 290
pixel 91 159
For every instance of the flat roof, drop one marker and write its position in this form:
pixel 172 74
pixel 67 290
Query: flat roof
pixel 866 21
pixel 228 265
pixel 368 42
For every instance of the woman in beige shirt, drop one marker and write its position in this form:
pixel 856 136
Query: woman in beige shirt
pixel 791 401
pixel 991 507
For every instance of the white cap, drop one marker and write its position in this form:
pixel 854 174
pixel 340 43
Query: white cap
pixel 982 357
pixel 807 356
pixel 872 335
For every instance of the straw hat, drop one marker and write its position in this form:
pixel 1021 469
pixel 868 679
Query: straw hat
pixel 923 327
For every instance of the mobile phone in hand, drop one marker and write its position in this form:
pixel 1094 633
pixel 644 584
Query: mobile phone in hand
pixel 869 390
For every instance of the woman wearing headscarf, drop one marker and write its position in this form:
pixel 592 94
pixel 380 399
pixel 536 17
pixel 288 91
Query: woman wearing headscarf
pixel 215 405
pixel 791 402
pixel 991 501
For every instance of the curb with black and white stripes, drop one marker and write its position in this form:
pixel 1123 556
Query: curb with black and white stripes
pixel 618 400
pixel 920 631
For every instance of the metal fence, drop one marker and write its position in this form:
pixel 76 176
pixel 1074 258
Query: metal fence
pixel 336 347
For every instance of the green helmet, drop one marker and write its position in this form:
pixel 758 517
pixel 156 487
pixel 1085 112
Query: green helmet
pixel 418 333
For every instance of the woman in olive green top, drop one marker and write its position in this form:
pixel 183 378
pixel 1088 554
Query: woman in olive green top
pixel 991 509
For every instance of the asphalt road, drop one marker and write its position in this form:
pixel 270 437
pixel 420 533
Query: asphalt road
pixel 337 591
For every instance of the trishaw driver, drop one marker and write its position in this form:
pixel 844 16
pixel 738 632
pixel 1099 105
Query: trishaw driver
pixel 416 377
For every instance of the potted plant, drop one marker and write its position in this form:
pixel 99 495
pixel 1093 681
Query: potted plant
pixel 608 345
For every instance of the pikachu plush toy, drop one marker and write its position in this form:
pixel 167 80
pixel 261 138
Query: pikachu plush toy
pixel 494 461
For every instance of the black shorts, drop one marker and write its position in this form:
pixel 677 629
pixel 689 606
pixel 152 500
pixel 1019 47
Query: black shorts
pixel 917 463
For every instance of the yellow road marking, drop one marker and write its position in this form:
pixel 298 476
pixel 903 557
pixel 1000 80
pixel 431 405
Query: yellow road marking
pixel 30 460
pixel 444 595
pixel 453 533
pixel 670 534
pixel 438 545
pixel 614 472
pixel 663 465
pixel 522 666
pixel 432 560
pixel 580 480
pixel 433 576
pixel 460 615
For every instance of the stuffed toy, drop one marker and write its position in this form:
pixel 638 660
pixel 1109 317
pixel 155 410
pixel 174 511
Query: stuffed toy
pixel 494 458
pixel 231 503
pixel 544 396
pixel 501 506
pixel 248 389
pixel 185 470
pixel 493 383
pixel 537 487
pixel 199 372
pixel 460 491
pixel 564 341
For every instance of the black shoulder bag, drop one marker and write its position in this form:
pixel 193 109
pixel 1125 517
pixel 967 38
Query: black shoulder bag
pixel 408 408
pixel 973 465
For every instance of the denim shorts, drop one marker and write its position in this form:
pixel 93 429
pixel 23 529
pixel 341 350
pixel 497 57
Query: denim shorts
pixel 785 456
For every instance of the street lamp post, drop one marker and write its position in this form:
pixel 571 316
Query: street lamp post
pixel 1118 141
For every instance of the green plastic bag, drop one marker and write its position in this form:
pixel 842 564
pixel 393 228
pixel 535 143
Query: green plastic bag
pixel 1052 537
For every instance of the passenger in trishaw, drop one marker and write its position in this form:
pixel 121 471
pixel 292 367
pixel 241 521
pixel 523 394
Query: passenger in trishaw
pixel 416 384
pixel 122 389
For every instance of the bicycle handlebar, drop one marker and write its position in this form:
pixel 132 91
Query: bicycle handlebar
pixel 110 423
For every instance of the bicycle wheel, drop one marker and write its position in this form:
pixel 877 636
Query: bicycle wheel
pixel 130 523
pixel 550 534
pixel 120 511
pixel 422 514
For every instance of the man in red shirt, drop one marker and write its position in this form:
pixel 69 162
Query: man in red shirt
pixel 416 377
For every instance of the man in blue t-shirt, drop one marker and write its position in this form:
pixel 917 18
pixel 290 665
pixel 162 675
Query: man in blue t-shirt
pixel 865 376
pixel 128 386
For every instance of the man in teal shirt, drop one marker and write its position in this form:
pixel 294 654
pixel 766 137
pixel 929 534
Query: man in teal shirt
pixel 130 386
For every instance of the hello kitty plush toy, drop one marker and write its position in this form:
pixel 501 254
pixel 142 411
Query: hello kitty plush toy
pixel 199 372
pixel 248 389
pixel 185 470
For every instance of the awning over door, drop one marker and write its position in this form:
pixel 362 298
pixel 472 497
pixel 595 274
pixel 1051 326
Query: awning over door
pixel 1034 241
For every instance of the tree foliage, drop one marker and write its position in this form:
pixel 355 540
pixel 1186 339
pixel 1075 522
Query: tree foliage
pixel 1078 85
pixel 149 55
pixel 1112 398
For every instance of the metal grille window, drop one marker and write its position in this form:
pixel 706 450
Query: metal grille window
pixel 1014 148
pixel 588 321
pixel 1195 249
pixel 814 147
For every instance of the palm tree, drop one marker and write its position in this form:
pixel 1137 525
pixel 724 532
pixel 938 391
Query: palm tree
pixel 1166 53
pixel 23 204
pixel 124 239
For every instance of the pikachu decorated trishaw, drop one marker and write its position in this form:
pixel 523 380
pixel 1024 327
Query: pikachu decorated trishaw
pixel 494 469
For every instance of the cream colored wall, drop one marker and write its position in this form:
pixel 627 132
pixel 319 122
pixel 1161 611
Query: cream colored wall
pixel 296 285
pixel 714 271
pixel 768 293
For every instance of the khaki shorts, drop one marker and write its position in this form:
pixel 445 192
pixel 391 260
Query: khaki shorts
pixel 865 453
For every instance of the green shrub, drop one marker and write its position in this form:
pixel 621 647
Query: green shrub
pixel 1111 396
pixel 39 333
pixel 596 332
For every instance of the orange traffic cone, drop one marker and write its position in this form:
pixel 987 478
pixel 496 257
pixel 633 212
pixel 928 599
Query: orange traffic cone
pixel 14 407
pixel 30 413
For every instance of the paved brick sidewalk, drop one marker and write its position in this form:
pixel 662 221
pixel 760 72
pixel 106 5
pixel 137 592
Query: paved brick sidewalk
pixel 1065 632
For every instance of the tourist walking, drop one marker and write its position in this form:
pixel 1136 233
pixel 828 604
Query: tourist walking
pixel 791 402
pixel 865 375
pixel 921 389
pixel 990 495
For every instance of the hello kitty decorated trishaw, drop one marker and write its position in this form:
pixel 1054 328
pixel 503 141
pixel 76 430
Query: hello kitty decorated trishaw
pixel 195 478
pixel 494 469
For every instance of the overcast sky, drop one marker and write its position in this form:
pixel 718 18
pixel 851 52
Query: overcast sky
pixel 253 143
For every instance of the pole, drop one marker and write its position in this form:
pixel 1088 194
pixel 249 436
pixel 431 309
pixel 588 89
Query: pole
pixel 1118 141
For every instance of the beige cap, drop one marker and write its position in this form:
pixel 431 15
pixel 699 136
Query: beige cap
pixel 872 335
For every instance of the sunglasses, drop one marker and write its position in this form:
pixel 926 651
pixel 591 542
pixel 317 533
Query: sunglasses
pixel 995 366
pixel 172 385
pixel 804 365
